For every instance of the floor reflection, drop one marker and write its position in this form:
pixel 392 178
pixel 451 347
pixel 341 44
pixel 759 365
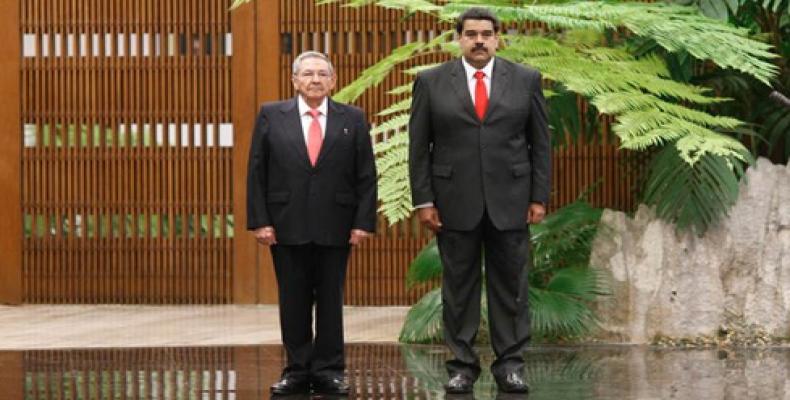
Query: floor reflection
pixel 377 371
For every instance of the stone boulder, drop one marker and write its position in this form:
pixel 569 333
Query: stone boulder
pixel 679 285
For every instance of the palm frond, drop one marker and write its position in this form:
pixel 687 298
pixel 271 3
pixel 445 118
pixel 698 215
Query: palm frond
pixel 692 197
pixel 556 313
pixel 565 237
pixel 426 266
pixel 776 129
pixel 423 322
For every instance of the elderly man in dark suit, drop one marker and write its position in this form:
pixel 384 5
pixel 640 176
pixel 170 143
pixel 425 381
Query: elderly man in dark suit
pixel 479 163
pixel 311 194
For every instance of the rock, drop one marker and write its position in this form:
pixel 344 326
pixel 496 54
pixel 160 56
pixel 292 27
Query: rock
pixel 679 285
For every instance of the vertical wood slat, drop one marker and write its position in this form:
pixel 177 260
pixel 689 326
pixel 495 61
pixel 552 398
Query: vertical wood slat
pixel 245 250
pixel 115 216
pixel 11 156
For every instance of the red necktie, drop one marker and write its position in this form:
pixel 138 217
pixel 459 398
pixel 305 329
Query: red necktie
pixel 481 96
pixel 314 138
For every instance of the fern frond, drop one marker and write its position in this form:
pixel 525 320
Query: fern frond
pixel 375 74
pixel 673 27
pixel 400 106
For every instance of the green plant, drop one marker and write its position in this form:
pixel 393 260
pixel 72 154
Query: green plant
pixel 562 284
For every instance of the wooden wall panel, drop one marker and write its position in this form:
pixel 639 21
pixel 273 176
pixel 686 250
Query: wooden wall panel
pixel 246 268
pixel 131 135
pixel 10 156
pixel 128 147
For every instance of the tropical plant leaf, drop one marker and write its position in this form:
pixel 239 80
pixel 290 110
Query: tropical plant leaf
pixel 423 322
pixel 426 266
pixel 692 197
pixel 580 282
pixel 379 71
pixel 557 314
pixel 564 238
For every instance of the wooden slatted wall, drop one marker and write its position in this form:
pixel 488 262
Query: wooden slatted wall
pixel 130 167
pixel 126 164
pixel 355 39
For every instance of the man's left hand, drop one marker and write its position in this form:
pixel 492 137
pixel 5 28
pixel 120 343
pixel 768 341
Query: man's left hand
pixel 536 213
pixel 357 236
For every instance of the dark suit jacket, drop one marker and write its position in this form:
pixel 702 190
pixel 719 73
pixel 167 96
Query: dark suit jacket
pixel 465 166
pixel 307 204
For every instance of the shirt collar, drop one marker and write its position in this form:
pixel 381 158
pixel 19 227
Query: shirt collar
pixel 304 108
pixel 470 70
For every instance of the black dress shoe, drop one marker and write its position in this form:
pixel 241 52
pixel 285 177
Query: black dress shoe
pixel 291 385
pixel 459 384
pixel 512 383
pixel 331 386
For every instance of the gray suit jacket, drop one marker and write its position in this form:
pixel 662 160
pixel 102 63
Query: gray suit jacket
pixel 466 166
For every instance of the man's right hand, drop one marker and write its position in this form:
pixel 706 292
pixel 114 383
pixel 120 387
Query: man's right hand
pixel 265 235
pixel 429 216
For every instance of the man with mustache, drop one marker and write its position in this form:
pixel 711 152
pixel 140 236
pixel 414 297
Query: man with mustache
pixel 479 164
pixel 311 194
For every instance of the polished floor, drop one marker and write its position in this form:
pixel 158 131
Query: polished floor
pixel 390 371
pixel 233 353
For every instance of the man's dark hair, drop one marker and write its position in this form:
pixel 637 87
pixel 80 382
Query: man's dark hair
pixel 476 13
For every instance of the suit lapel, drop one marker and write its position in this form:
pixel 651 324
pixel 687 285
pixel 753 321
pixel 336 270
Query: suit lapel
pixel 334 122
pixel 500 82
pixel 293 130
pixel 461 87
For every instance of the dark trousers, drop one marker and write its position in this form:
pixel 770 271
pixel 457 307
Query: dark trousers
pixel 306 275
pixel 506 255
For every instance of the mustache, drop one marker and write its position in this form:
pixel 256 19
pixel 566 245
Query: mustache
pixel 479 47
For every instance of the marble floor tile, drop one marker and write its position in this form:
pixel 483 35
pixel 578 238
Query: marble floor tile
pixel 90 326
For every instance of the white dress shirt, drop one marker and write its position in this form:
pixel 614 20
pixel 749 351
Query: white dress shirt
pixel 472 81
pixel 307 119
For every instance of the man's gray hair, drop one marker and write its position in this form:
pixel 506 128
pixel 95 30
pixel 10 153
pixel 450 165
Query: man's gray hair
pixel 311 54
